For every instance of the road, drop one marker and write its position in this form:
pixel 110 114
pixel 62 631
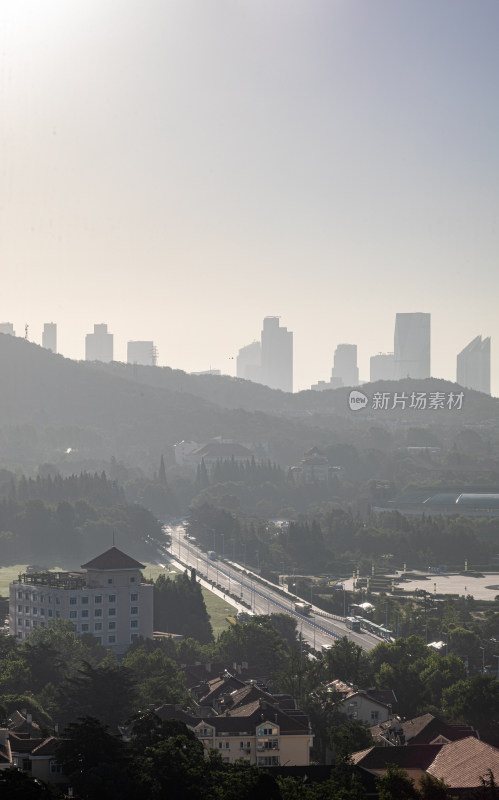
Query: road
pixel 319 629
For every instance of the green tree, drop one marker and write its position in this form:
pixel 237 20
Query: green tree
pixel 395 784
pixel 94 760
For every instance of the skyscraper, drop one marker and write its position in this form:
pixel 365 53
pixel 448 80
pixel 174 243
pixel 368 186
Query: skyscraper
pixel 49 336
pixel 99 344
pixel 142 353
pixel 412 345
pixel 473 365
pixel 345 364
pixel 277 355
pixel 249 362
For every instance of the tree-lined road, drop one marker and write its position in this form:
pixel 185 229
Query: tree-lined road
pixel 320 629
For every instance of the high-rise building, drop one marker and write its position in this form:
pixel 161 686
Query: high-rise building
pixel 382 367
pixel 345 364
pixel 142 353
pixel 7 327
pixel 412 346
pixel 49 336
pixel 249 362
pixel 99 345
pixel 277 355
pixel 473 365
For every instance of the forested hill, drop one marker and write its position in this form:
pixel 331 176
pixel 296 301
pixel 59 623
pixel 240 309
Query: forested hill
pixel 319 407
pixel 54 404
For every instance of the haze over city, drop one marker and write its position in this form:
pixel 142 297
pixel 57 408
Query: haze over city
pixel 179 170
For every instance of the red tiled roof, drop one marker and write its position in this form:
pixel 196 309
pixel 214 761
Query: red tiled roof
pixel 113 559
pixel 461 764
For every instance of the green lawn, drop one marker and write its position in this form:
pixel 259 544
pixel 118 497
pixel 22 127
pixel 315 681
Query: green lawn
pixel 218 610
pixel 9 574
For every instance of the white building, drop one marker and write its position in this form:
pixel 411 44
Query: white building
pixel 107 600
pixel 473 365
pixel 412 346
pixel 99 344
pixel 7 327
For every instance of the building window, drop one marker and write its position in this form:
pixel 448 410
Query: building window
pixel 26 609
pixel 111 639
pixel 374 716
pixel 134 623
pixel 55 768
pixel 134 610
pixel 49 599
pixel 84 627
pixel 98 598
pixel 84 600
pixel 20 622
pixel 85 613
pixel 98 626
pixel 35 612
pixel 73 601
pixel 34 597
pixel 73 614
pixel 111 612
pixel 109 580
pixel 98 612
pixel 26 596
pixel 134 637
pixel 19 595
pixel 58 601
pixel 50 612
pixel 19 635
pixel 26 623
pixel 132 580
pixel 134 597
pixel 111 626
pixel 42 612
pixel 19 609
pixel 111 598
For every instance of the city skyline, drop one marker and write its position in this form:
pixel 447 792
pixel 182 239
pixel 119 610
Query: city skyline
pixel 330 162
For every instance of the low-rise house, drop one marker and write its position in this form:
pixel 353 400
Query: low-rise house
pixel 425 729
pixel 360 706
pixel 23 746
pixel 259 732
pixel 462 764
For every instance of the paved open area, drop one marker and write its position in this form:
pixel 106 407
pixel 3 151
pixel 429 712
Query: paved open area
pixel 484 588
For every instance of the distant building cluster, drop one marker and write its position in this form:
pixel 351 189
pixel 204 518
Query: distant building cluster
pixel 269 360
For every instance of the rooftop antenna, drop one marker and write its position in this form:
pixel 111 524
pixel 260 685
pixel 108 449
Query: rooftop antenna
pixel 113 537
pixel 26 328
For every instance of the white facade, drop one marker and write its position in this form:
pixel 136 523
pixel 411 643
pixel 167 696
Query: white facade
pixel 249 362
pixel 106 600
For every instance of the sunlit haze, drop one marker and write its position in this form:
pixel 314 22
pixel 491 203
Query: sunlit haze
pixel 181 169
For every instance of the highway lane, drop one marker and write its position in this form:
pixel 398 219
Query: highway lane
pixel 319 629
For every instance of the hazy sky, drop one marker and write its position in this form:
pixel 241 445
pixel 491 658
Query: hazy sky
pixel 180 169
